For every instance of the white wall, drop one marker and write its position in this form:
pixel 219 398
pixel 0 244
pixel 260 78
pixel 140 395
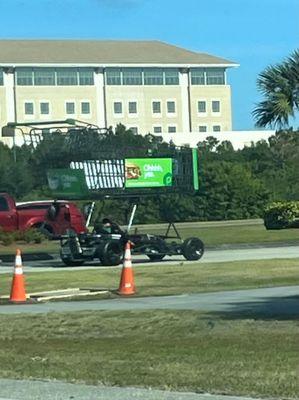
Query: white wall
pixel 239 139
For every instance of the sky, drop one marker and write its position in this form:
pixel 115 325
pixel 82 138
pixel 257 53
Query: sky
pixel 252 33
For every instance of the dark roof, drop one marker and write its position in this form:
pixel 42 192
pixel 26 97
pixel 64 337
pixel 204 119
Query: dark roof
pixel 101 52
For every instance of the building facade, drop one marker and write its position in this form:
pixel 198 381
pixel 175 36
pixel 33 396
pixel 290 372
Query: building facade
pixel 148 86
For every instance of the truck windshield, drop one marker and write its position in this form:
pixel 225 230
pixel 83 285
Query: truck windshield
pixel 3 204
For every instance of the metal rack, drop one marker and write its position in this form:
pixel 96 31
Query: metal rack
pixel 91 157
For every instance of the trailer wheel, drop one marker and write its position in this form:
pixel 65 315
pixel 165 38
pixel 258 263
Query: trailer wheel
pixel 192 249
pixel 111 253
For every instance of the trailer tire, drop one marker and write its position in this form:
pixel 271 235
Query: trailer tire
pixel 111 253
pixel 192 249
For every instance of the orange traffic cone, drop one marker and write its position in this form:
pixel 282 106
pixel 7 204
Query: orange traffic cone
pixel 127 285
pixel 18 293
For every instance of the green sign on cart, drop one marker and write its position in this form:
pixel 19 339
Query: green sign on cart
pixel 67 181
pixel 148 172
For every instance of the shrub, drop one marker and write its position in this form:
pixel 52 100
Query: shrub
pixel 33 236
pixel 29 236
pixel 7 238
pixel 280 215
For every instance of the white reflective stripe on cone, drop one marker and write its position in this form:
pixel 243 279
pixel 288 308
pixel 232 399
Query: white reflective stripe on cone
pixel 127 264
pixel 18 271
pixel 18 261
pixel 128 254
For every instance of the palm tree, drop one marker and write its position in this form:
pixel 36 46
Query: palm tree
pixel 280 86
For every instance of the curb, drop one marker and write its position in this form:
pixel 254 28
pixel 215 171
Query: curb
pixel 244 246
pixel 28 257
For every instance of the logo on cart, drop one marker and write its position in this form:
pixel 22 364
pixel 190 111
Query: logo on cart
pixel 148 172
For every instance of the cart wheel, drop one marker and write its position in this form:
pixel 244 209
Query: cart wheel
pixel 71 263
pixel 192 249
pixel 111 253
pixel 156 257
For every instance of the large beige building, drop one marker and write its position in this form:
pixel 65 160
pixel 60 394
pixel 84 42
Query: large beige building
pixel 148 86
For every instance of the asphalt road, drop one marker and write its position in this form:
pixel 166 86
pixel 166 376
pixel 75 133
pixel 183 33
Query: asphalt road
pixel 218 255
pixel 272 302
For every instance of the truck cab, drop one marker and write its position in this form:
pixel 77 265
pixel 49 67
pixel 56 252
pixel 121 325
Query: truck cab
pixel 8 213
pixel 54 218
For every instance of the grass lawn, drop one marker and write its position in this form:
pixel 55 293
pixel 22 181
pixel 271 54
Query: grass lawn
pixel 44 247
pixel 166 279
pixel 238 234
pixel 179 350
pixel 176 350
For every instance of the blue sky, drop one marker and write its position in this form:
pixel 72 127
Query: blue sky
pixel 253 33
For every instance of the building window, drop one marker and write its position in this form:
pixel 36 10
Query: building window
pixel 1 76
pixel 215 76
pixel 156 107
pixel 171 76
pixel 44 108
pixel 216 128
pixel 70 107
pixel 215 106
pixel 29 108
pixel 85 107
pixel 171 107
pixel 134 130
pixel 24 76
pixel 44 76
pixel 171 129
pixel 113 76
pixel 201 106
pixel 86 77
pixel 157 129
pixel 153 76
pixel 118 107
pixel 132 107
pixel 197 76
pixel 67 76
pixel 202 128
pixel 132 76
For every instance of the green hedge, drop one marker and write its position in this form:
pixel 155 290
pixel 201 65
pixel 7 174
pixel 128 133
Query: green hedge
pixel 280 215
pixel 29 236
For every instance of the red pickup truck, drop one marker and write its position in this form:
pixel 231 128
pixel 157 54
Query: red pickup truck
pixel 53 218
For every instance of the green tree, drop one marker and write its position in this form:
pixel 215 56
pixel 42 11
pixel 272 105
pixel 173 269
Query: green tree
pixel 279 84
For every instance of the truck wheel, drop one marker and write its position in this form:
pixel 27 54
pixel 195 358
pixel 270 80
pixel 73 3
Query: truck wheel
pixel 111 253
pixel 192 249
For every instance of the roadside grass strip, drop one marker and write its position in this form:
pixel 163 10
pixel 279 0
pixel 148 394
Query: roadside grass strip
pixel 243 233
pixel 161 280
pixel 236 353
pixel 175 350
